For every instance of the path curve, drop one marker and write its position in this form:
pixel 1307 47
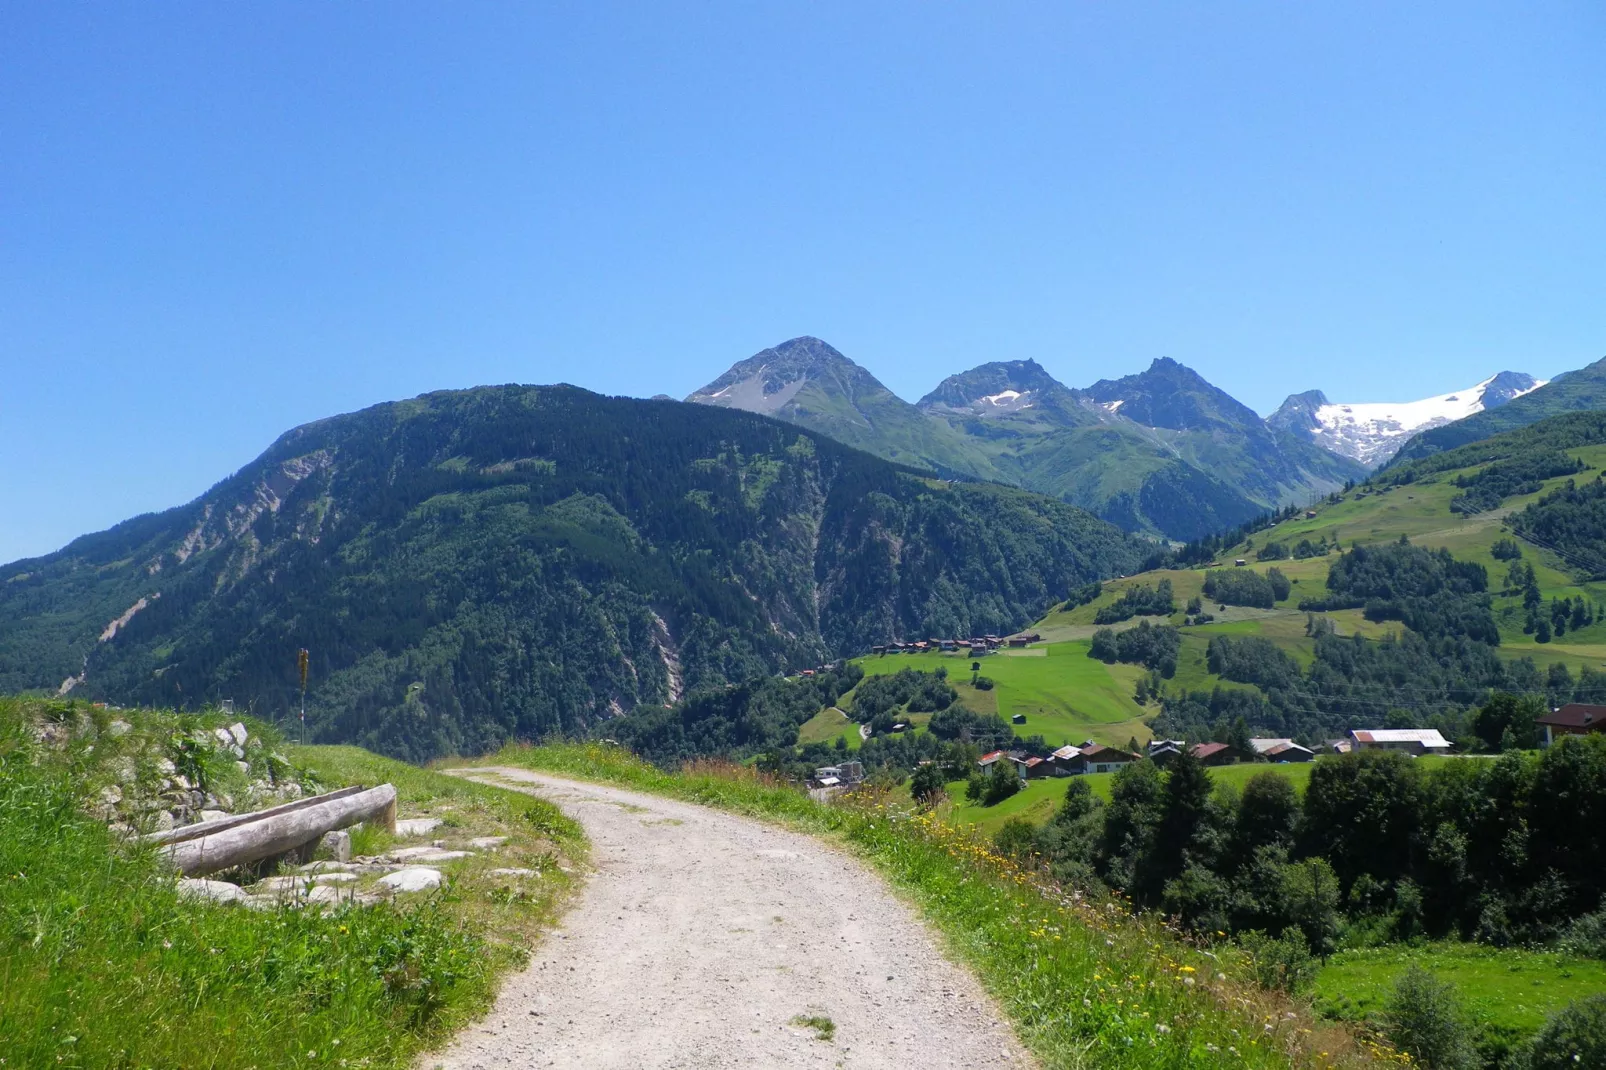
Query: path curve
pixel 700 938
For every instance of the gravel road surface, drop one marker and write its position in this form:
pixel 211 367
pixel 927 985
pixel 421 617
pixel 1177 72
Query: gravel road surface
pixel 703 939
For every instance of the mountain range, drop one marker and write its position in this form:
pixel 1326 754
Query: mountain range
pixel 1162 451
pixel 469 567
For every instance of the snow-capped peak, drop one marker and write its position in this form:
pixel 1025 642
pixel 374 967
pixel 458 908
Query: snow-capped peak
pixel 1372 432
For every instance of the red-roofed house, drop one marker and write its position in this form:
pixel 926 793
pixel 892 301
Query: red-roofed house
pixel 1573 719
pixel 1216 753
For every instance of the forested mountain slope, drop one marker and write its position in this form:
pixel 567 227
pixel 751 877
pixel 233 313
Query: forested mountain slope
pixel 1162 451
pixel 471 566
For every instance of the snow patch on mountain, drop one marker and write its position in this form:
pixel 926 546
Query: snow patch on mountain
pixel 1372 432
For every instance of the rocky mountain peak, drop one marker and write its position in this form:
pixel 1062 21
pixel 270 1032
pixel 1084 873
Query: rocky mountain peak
pixel 1297 413
pixel 767 380
pixel 1174 396
pixel 993 389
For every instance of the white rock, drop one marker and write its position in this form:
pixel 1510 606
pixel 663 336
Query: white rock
pixel 111 795
pixel 162 821
pixel 244 767
pixel 487 841
pixel 417 826
pixel 337 844
pixel 336 878
pixel 427 854
pixel 213 815
pixel 237 750
pixel 513 872
pixel 165 767
pixel 327 867
pixel 124 771
pixel 224 739
pixel 217 891
pixel 118 728
pixel 412 879
pixel 288 882
pixel 325 895
pixel 237 730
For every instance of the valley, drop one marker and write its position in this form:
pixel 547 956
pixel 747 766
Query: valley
pixel 699 588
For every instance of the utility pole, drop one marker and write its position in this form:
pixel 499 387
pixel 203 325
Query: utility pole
pixel 301 664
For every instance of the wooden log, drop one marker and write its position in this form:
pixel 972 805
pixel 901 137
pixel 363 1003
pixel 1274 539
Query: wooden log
pixel 218 824
pixel 277 833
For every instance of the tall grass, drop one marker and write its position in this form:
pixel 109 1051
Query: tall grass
pixel 1087 982
pixel 104 965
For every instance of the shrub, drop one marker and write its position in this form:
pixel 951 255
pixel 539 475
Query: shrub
pixel 1587 935
pixel 1001 783
pixel 1279 962
pixel 1014 838
pixel 982 683
pixel 1574 1038
pixel 1425 1020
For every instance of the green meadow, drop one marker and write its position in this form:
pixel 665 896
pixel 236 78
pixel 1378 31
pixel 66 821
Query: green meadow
pixel 1508 991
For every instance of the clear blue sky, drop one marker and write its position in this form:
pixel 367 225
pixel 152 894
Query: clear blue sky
pixel 221 220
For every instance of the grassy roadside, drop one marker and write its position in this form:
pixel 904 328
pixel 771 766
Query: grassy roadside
pixel 103 964
pixel 1085 982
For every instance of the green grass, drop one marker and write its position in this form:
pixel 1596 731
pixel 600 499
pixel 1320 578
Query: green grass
pixel 102 964
pixel 1087 984
pixel 1066 696
pixel 1509 991
pixel 827 726
pixel 1419 511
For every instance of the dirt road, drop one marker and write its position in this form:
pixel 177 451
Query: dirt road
pixel 704 940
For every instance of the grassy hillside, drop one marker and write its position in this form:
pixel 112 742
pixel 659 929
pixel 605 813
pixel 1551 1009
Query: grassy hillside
pixel 1065 695
pixel 1425 501
pixel 103 963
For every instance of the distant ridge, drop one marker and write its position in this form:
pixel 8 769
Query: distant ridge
pixel 1162 451
pixel 1577 391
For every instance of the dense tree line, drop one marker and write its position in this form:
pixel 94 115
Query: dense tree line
pixel 1207 548
pixel 1245 587
pixel 1429 591
pixel 1571 521
pixel 733 722
pixel 1138 600
pixel 1511 850
pixel 1486 488
pixel 1152 646
pixel 879 698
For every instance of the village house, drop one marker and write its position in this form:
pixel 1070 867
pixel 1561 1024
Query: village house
pixel 1218 754
pixel 1573 719
pixel 1281 750
pixel 1067 761
pixel 1161 751
pixel 1097 758
pixel 1412 741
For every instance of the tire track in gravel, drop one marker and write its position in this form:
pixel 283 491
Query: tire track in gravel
pixel 701 938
